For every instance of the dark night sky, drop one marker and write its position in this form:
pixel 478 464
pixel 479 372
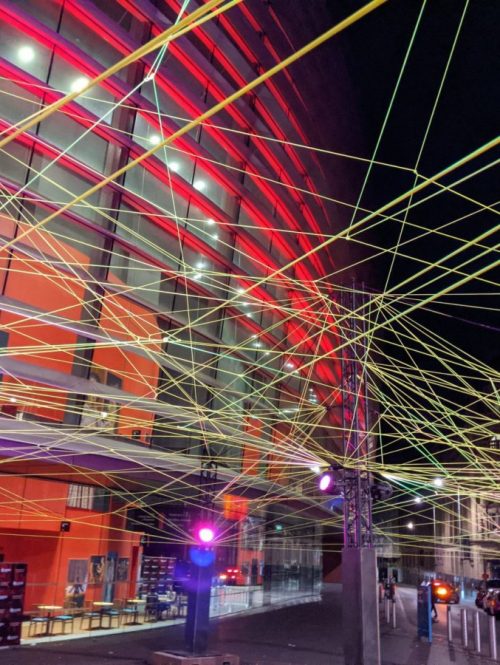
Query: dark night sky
pixel 354 101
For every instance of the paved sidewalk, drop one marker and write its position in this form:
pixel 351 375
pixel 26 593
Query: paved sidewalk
pixel 299 635
pixel 400 646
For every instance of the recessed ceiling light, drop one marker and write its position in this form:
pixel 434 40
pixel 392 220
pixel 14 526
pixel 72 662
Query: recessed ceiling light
pixel 79 84
pixel 155 139
pixel 26 53
pixel 200 185
pixel 210 221
pixel 174 166
pixel 197 276
pixel 215 236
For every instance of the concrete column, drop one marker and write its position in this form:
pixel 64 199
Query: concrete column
pixel 360 606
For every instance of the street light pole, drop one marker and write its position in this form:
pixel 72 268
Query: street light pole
pixel 359 563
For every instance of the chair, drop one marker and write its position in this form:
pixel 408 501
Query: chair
pixel 38 621
pixel 182 605
pixel 151 608
pixel 130 613
pixel 65 619
pixel 112 613
pixel 90 615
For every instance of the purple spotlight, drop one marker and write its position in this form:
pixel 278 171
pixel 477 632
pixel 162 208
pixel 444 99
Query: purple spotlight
pixel 206 534
pixel 325 482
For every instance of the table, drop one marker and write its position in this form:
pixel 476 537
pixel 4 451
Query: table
pixel 135 602
pixel 102 606
pixel 49 609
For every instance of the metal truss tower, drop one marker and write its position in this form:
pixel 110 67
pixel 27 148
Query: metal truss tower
pixel 359 562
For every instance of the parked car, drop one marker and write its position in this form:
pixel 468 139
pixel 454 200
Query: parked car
pixel 484 589
pixel 492 603
pixel 445 592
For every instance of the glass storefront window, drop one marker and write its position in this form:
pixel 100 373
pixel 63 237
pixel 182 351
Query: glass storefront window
pixel 14 162
pixel 16 103
pixel 46 11
pixel 66 78
pixel 23 51
pixel 140 181
pixel 151 237
pixel 59 184
pixel 85 38
pixel 255 228
pixel 62 132
pixel 212 231
pixel 148 136
pixel 207 185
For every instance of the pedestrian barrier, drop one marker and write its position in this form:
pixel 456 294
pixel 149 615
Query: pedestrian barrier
pixel 474 622
pixel 390 611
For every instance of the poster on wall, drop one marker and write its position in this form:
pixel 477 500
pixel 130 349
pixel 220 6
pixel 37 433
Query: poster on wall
pixel 122 570
pixel 96 572
pixel 77 583
pixel 78 570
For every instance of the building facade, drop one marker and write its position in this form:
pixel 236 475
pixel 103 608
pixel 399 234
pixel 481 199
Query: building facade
pixel 165 319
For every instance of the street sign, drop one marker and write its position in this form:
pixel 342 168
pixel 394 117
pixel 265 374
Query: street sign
pixel 424 619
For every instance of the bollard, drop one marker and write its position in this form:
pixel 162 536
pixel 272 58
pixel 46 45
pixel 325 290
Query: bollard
pixel 387 610
pixel 465 632
pixel 394 614
pixel 477 632
pixel 493 637
pixel 449 624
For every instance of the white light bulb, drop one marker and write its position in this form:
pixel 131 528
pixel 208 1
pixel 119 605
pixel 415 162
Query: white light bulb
pixel 26 54
pixel 174 166
pixel 210 221
pixel 200 185
pixel 410 525
pixel 154 139
pixel 79 84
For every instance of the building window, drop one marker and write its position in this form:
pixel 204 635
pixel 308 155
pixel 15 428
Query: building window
pixel 88 497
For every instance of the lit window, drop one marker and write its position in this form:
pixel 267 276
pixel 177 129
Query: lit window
pixel 26 54
pixel 87 497
pixel 79 84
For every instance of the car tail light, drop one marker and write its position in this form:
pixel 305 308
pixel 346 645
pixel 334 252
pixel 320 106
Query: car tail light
pixel 442 591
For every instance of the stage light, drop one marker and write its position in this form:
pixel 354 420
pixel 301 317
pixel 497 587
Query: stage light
pixel 325 482
pixel 205 535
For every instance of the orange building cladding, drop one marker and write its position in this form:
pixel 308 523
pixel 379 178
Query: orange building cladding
pixel 32 513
